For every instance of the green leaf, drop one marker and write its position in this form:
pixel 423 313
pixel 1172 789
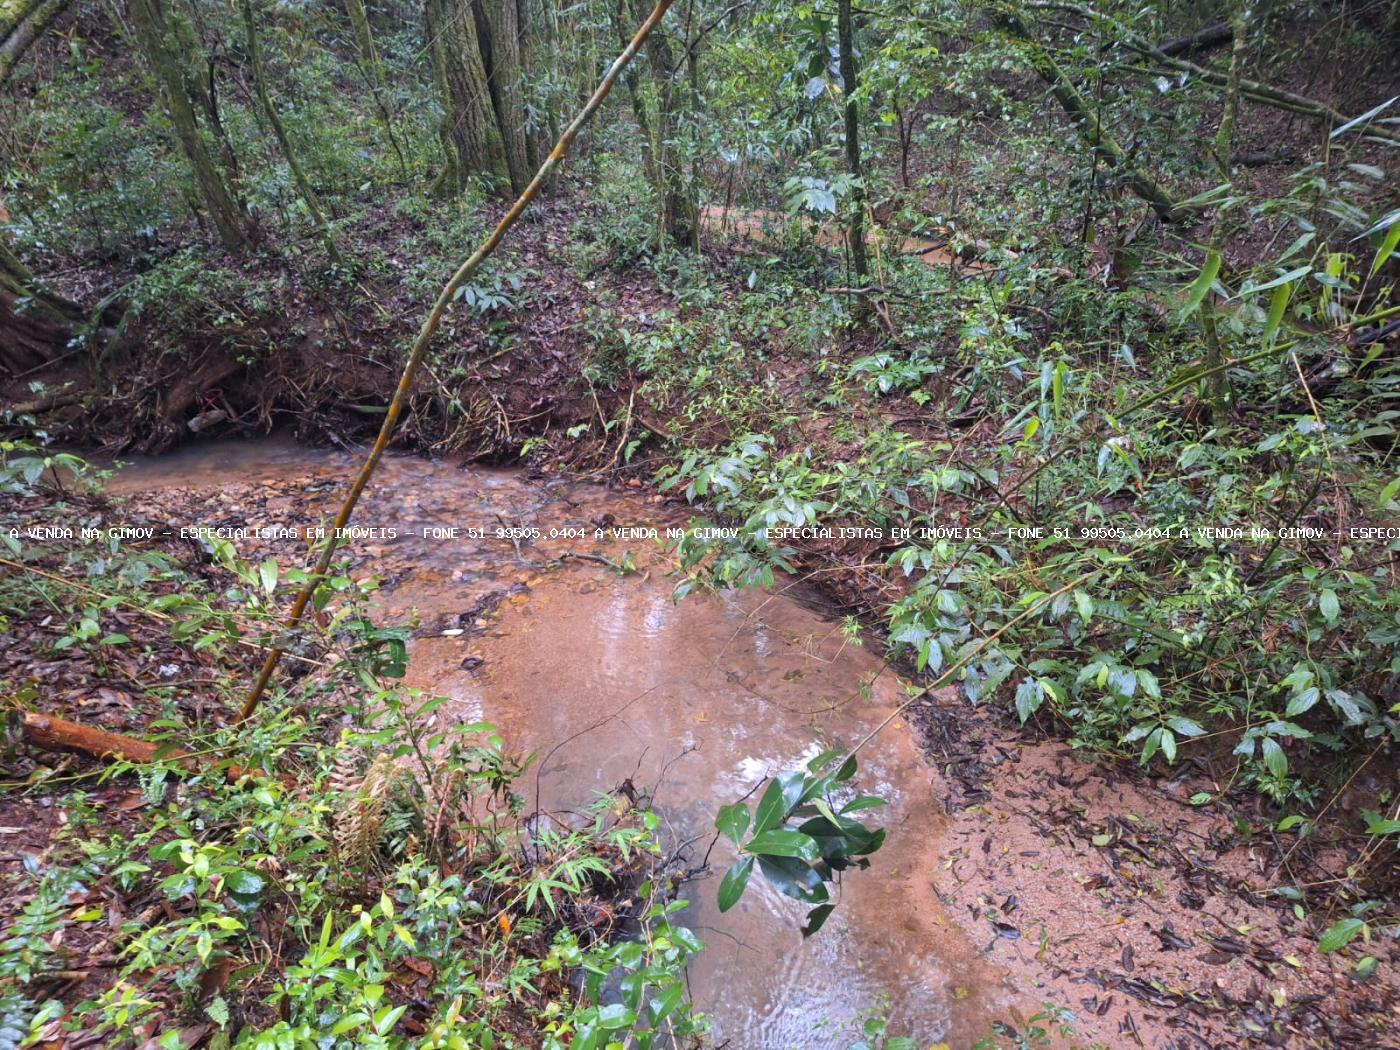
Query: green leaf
pixel 1389 492
pixel 731 887
pixel 243 883
pixel 1378 825
pixel 816 918
pixel 782 794
pixel 349 1021
pixel 1301 702
pixel 665 1004
pixel 1340 935
pixel 1200 287
pixel 782 843
pixel 1169 745
pixel 1084 602
pixel 217 1011
pixel 863 802
pixel 732 821
pixel 1278 303
pixel 793 878
pixel 1281 281
pixel 1365 118
pixel 1387 248
pixel 267 572
pixel 1328 605
pixel 1274 758
pixel 1185 726
pixel 615 1015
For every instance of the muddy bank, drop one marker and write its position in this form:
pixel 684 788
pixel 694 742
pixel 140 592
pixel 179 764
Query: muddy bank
pixel 612 683
pixel 1016 871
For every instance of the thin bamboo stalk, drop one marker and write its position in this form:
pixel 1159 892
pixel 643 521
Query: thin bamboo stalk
pixel 429 329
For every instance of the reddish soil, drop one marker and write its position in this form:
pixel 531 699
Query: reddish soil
pixel 1108 893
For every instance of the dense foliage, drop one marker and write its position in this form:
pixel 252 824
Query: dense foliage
pixel 1080 326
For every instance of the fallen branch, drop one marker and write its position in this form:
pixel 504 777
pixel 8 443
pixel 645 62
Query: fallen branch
pixel 1255 91
pixel 1091 128
pixel 429 329
pixel 1201 40
pixel 51 733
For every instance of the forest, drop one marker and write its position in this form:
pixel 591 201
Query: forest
pixel 823 525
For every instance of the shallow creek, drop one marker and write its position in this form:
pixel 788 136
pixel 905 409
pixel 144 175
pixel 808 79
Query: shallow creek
pixel 701 699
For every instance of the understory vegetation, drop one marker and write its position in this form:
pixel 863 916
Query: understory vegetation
pixel 385 887
pixel 1056 341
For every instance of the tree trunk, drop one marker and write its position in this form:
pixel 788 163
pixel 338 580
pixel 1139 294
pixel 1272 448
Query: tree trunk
pixel 373 70
pixel 620 17
pixel 498 33
pixel 678 211
pixel 845 29
pixel 21 23
pixel 308 195
pixel 149 23
pixel 525 24
pixel 35 325
pixel 1224 140
pixel 471 139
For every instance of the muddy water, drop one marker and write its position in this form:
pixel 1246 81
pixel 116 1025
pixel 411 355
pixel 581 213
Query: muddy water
pixel 611 679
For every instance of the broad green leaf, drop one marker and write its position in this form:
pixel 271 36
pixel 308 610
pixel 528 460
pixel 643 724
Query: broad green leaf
pixel 1274 758
pixel 1389 492
pixel 1185 726
pixel 782 843
pixel 1339 935
pixel 267 571
pixel 615 1015
pixel 733 821
pixel 665 1004
pixel 1169 745
pixel 816 918
pixel 731 887
pixel 1302 701
pixel 793 878
pixel 781 795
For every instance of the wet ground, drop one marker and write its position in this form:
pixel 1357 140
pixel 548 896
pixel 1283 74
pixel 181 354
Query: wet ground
pixel 1015 871
pixel 610 679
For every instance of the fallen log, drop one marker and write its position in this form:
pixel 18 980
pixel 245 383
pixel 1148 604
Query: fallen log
pixel 1201 40
pixel 50 733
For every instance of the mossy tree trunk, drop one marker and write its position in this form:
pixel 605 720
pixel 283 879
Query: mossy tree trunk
pixel 678 209
pixel 855 230
pixel 498 33
pixel 35 325
pixel 471 138
pixel 620 18
pixel 525 24
pixel 274 120
pixel 373 70
pixel 21 23
pixel 149 23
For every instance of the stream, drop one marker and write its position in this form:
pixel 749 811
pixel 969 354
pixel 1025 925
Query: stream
pixel 699 699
